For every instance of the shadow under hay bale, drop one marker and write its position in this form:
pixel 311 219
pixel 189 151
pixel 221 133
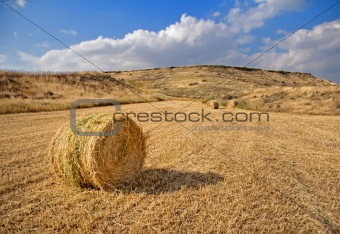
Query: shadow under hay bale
pixel 98 161
pixel 213 104
pixel 158 181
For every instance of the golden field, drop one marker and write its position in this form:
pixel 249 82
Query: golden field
pixel 284 179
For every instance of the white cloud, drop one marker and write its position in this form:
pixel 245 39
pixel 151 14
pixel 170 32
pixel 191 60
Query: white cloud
pixel 316 51
pixel 189 41
pixel 21 3
pixel 28 58
pixel 69 32
pixel 249 18
pixel 3 58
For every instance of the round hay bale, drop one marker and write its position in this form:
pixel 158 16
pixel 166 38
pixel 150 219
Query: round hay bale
pixel 232 103
pixel 98 161
pixel 213 104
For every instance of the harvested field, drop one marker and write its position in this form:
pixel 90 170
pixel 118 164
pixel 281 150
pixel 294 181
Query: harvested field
pixel 284 179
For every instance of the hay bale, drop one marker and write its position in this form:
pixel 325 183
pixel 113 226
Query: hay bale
pixel 98 161
pixel 213 104
pixel 232 103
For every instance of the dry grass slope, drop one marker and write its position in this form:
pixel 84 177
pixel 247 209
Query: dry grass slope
pixel 302 100
pixel 254 88
pixel 48 91
pixel 31 92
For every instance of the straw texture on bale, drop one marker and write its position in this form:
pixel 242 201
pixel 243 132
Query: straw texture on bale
pixel 98 161
pixel 213 104
pixel 232 103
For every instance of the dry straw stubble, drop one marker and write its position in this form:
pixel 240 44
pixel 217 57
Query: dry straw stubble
pixel 98 161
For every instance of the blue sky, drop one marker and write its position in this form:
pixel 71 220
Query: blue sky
pixel 124 35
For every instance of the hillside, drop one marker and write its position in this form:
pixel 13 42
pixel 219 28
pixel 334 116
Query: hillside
pixel 307 93
pixel 276 90
pixel 32 92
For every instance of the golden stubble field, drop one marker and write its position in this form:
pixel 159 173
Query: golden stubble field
pixel 285 179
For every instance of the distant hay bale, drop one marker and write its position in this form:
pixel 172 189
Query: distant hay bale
pixel 98 161
pixel 232 103
pixel 213 104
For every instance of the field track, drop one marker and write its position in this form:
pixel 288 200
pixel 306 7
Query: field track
pixel 285 179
